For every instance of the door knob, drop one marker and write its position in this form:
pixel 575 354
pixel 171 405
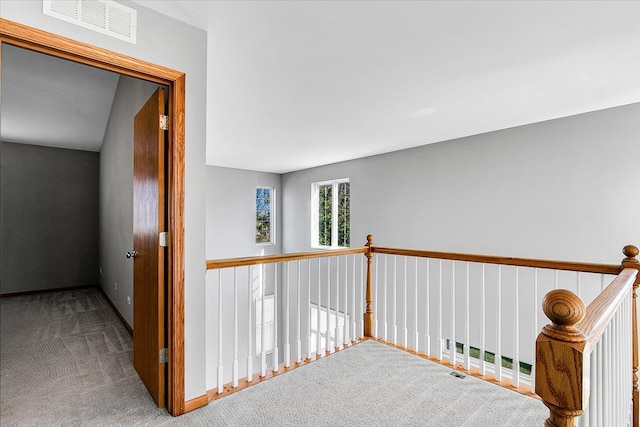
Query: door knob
pixel 132 254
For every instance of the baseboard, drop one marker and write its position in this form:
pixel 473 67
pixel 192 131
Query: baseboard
pixel 116 311
pixel 44 291
pixel 196 403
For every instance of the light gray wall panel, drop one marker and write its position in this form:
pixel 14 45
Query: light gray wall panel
pixel 49 217
pixel 561 189
pixel 116 193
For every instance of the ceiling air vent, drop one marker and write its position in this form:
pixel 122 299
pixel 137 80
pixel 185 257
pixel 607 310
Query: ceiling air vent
pixel 103 16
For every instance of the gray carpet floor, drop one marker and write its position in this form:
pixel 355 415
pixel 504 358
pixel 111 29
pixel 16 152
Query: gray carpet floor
pixel 65 360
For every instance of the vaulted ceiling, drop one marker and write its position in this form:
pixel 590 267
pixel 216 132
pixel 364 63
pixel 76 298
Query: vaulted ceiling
pixel 297 84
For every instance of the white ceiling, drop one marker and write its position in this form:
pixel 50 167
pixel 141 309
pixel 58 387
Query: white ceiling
pixel 53 102
pixel 297 84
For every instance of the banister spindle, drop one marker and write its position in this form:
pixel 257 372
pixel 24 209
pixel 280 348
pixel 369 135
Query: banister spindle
pixel 298 326
pixel 285 314
pixel 274 354
pixel 220 366
pixel 560 360
pixel 251 326
pixel 234 367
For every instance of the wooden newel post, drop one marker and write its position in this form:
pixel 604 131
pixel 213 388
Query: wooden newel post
pixel 560 360
pixel 631 261
pixel 368 313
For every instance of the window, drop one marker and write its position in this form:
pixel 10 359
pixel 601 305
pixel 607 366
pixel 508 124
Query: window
pixel 330 226
pixel 265 216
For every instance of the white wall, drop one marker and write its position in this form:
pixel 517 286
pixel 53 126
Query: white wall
pixel 116 193
pixel 563 189
pixel 167 42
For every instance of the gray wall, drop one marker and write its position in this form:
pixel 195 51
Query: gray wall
pixel 116 193
pixel 170 43
pixel 231 201
pixel 231 233
pixel 561 189
pixel 49 217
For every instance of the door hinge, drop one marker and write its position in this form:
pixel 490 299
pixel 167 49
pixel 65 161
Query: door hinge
pixel 164 122
pixel 164 239
pixel 164 355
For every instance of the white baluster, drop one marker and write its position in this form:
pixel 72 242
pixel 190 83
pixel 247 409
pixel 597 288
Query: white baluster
pixel 276 360
pixel 405 334
pixel 439 311
pixel 328 325
pixel 483 324
pixel 337 326
pixel 394 305
pixel 345 329
pixel 453 353
pixel 251 326
pixel 309 308
pixel 386 294
pixel 298 341
pixel 376 314
pixel 234 377
pixel 285 314
pixel 318 337
pixel 220 368
pixel 535 331
pixel 578 287
pixel 427 333
pixel 515 378
pixel 498 357
pixel 467 341
pixel 354 334
pixel 599 416
pixel 416 334
pixel 263 332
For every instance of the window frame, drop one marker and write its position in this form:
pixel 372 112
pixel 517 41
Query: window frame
pixel 315 205
pixel 272 215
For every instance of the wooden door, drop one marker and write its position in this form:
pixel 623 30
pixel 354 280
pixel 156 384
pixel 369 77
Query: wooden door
pixel 149 220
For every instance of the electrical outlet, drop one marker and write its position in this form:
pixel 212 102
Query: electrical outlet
pixel 128 300
pixel 115 286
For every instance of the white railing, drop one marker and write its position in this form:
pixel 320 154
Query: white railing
pixel 491 311
pixel 473 312
pixel 307 305
pixel 610 361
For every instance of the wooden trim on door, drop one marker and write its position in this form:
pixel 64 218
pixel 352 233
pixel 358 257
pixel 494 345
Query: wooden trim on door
pixel 51 44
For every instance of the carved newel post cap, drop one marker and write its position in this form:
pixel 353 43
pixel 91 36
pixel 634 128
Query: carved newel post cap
pixel 565 309
pixel 369 240
pixel 630 251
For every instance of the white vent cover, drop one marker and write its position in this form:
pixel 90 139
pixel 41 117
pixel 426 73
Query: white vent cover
pixel 103 16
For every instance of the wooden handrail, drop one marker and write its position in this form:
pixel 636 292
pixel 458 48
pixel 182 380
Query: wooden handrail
pixel 563 347
pixel 602 309
pixel 270 259
pixel 520 262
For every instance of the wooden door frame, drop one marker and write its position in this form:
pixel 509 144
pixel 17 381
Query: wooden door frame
pixel 26 37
